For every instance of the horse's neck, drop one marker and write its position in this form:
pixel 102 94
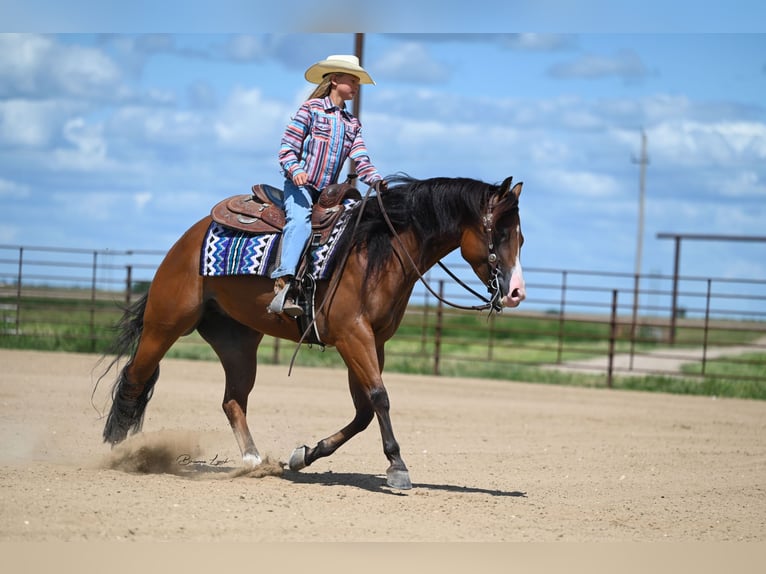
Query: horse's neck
pixel 417 258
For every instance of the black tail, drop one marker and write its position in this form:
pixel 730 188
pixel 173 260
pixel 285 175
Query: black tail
pixel 127 413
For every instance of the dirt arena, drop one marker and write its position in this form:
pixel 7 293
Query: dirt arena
pixel 489 461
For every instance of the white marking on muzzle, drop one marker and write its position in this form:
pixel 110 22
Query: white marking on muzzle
pixel 517 291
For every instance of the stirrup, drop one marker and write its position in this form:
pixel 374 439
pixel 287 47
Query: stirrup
pixel 282 304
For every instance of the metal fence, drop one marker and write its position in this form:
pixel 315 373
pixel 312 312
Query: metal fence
pixel 589 322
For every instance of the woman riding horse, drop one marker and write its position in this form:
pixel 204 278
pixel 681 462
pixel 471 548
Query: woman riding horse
pixel 410 227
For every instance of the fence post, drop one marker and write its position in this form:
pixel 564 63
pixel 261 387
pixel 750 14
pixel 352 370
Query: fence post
pixel 707 325
pixel 634 320
pixel 18 292
pixel 561 317
pixel 612 337
pixel 438 328
pixel 128 284
pixel 424 324
pixel 93 303
pixel 674 303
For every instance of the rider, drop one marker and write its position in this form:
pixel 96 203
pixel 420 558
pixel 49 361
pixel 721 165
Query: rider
pixel 316 143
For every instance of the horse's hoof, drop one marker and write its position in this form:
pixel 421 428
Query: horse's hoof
pixel 399 479
pixel 298 458
pixel 251 460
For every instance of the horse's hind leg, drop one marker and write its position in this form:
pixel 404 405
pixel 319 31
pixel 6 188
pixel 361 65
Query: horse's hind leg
pixel 236 346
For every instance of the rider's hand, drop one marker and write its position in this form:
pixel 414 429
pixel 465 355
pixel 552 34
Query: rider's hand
pixel 301 178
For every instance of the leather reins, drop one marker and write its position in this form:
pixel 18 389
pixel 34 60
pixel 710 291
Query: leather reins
pixel 493 303
pixel 493 286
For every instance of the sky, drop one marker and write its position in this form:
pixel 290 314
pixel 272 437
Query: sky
pixel 117 139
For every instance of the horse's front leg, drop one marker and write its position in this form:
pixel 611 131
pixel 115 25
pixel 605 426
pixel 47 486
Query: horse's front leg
pixel 397 475
pixel 370 399
pixel 303 456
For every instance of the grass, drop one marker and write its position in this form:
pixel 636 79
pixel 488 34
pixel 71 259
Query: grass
pixel 507 347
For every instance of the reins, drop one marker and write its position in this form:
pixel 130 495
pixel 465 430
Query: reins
pixel 493 303
pixel 494 281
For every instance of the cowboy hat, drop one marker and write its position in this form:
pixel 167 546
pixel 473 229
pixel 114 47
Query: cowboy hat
pixel 338 64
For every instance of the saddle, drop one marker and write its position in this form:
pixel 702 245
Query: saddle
pixel 261 211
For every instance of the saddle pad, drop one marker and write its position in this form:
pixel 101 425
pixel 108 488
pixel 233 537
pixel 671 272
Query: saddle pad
pixel 227 251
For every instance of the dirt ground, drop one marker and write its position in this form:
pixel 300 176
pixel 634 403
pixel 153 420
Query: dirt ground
pixel 489 461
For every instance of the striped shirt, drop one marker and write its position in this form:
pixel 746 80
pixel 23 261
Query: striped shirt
pixel 319 139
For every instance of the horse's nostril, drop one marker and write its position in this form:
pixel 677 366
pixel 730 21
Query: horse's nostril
pixel 518 294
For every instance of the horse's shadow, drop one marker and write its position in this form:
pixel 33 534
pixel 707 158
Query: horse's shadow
pixel 377 483
pixel 369 482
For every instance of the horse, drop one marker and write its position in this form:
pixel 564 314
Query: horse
pixel 413 224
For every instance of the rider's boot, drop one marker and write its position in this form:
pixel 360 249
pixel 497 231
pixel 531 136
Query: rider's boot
pixel 283 301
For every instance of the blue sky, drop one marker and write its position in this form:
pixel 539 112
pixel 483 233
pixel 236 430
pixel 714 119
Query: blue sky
pixel 122 141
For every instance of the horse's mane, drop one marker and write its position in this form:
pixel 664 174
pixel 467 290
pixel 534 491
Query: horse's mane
pixel 431 208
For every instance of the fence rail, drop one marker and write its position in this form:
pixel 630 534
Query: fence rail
pixel 591 322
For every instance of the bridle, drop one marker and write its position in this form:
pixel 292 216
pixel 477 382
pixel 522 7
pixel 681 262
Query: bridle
pixel 493 303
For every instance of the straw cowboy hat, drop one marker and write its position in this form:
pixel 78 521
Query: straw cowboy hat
pixel 338 64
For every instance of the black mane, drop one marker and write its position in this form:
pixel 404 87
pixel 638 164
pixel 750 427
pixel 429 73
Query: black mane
pixel 431 208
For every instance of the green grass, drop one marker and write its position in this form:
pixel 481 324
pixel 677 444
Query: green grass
pixel 509 347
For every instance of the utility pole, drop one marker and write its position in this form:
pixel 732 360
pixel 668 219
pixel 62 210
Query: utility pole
pixel 358 51
pixel 642 161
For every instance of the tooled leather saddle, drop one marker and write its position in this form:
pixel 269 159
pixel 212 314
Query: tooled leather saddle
pixel 261 211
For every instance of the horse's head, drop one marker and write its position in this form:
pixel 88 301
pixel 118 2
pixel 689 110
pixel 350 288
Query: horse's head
pixel 493 246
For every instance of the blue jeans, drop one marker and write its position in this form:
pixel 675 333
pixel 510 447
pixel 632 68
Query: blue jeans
pixel 298 203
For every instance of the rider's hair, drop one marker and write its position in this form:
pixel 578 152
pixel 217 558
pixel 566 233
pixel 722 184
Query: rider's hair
pixel 324 88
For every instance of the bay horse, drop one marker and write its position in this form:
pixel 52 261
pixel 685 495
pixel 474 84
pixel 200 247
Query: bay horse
pixel 412 226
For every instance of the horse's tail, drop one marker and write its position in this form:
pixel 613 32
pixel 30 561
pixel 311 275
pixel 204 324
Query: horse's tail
pixel 127 412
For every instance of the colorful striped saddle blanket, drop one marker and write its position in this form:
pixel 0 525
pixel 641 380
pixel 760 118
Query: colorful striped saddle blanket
pixel 228 251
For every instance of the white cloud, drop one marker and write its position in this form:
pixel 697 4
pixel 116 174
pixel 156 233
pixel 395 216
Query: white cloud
pixel 39 67
pixel 693 143
pixel 83 71
pixel 249 121
pixel 743 184
pixel 202 95
pixel 32 123
pixel 538 42
pixel 151 128
pixel 245 48
pixel 625 64
pixel 141 199
pixel 8 233
pixel 102 205
pixel 411 62
pixel 581 184
pixel 12 189
pixel 86 149
pixel 21 57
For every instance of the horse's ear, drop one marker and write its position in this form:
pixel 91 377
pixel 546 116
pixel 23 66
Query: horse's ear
pixel 505 186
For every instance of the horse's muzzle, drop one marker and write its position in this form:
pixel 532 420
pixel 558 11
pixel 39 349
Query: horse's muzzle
pixel 514 298
pixel 517 291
